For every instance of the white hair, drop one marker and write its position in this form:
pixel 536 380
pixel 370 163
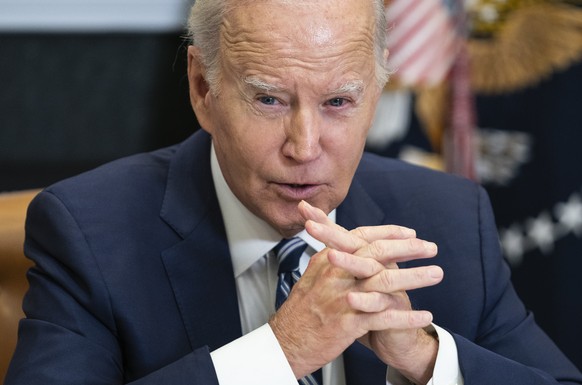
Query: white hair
pixel 206 17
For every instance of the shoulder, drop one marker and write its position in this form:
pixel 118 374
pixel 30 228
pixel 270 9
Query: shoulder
pixel 380 176
pixel 133 189
pixel 134 176
pixel 440 206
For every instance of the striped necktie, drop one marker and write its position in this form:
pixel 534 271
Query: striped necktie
pixel 288 253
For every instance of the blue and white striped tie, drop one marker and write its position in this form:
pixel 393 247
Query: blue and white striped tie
pixel 288 253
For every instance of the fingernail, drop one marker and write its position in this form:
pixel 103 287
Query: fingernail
pixel 423 317
pixel 435 272
pixel 430 246
pixel 306 206
pixel 314 225
pixel 427 317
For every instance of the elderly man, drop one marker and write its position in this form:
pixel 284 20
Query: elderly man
pixel 168 267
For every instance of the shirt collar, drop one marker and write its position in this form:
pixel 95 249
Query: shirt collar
pixel 249 237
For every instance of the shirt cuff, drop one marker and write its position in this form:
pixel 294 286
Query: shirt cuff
pixel 446 369
pixel 253 359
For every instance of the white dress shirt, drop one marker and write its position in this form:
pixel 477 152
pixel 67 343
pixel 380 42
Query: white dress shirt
pixel 257 358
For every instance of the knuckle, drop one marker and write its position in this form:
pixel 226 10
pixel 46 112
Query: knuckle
pixel 359 232
pixel 373 267
pixel 412 319
pixel 406 232
pixel 416 319
pixel 391 317
pixel 353 244
pixel 384 300
pixel 317 258
pixel 387 280
pixel 398 231
pixel 413 244
pixel 419 275
pixel 376 249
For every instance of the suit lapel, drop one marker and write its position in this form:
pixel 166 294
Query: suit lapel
pixel 201 275
pixel 359 208
pixel 199 267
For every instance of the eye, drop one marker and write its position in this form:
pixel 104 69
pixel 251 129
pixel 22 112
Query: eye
pixel 336 102
pixel 268 100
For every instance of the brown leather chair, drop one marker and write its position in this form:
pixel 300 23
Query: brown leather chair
pixel 13 266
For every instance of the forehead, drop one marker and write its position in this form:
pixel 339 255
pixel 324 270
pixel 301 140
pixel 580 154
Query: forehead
pixel 307 35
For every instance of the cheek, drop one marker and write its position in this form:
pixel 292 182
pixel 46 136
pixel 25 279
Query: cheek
pixel 348 141
pixel 347 149
pixel 245 153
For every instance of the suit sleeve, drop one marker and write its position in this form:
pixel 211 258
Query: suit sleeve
pixel 510 347
pixel 69 335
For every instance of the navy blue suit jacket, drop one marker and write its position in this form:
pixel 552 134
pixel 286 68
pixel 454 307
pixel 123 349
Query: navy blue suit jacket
pixel 133 281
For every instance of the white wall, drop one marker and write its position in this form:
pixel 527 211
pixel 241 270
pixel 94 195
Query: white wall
pixel 92 15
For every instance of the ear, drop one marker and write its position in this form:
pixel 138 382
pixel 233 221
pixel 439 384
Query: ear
pixel 199 89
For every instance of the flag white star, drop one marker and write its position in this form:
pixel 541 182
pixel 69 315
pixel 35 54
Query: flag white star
pixel 569 214
pixel 541 232
pixel 512 240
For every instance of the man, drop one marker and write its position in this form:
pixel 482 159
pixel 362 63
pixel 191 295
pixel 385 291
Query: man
pixel 158 269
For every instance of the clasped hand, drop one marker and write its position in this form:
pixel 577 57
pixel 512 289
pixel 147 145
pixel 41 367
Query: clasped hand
pixel 354 290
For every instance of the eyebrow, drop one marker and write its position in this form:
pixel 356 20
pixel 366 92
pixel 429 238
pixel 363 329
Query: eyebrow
pixel 351 86
pixel 261 84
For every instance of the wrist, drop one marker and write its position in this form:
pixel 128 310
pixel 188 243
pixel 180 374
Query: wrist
pixel 289 345
pixel 418 364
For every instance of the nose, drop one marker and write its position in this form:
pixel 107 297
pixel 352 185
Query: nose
pixel 303 139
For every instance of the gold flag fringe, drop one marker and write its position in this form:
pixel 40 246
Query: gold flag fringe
pixel 534 42
pixel 433 110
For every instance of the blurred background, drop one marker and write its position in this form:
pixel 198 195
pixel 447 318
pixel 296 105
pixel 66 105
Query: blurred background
pixel 86 81
pixel 488 89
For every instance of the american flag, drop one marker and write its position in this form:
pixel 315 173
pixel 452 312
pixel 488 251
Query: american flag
pixel 426 42
pixel 423 39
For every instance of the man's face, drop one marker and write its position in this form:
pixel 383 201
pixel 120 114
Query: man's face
pixel 296 99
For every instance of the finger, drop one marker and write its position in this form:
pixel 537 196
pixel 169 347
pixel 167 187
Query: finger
pixel 386 253
pixel 396 319
pixel 391 281
pixel 315 214
pixel 359 267
pixel 339 238
pixel 347 242
pixel 373 233
pixel 334 236
pixel 398 250
pixel 376 302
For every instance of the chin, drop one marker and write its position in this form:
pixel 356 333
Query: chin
pixel 289 228
pixel 289 224
pixel 290 232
